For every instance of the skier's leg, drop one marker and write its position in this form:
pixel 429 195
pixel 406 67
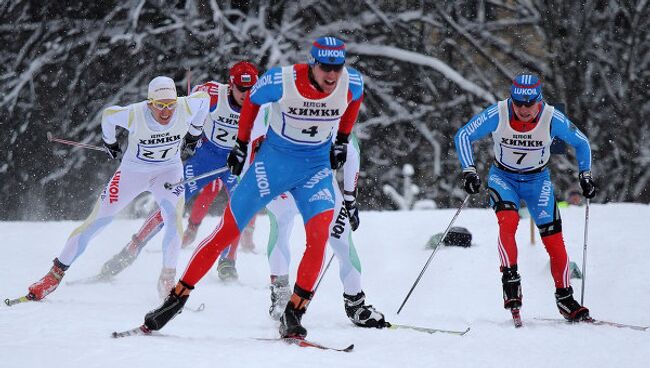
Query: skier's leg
pixel 504 199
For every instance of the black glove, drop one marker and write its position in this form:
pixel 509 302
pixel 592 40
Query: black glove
pixel 353 213
pixel 471 181
pixel 587 184
pixel 113 150
pixel 188 148
pixel 237 157
pixel 339 151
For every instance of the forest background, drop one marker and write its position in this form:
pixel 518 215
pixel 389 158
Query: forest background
pixel 428 67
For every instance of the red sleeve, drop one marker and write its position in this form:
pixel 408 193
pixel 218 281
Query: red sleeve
pixel 246 119
pixel 350 116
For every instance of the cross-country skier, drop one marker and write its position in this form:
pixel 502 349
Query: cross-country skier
pixel 308 103
pixel 160 129
pixel 282 211
pixel 220 132
pixel 522 129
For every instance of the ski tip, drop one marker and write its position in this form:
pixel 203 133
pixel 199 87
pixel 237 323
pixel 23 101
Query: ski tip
pixel 7 302
pixel 349 348
pixel 464 332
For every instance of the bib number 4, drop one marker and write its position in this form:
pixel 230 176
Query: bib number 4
pixel 311 131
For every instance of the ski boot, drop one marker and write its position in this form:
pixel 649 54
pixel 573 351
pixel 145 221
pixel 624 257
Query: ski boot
pixel 512 293
pixel 166 281
pixel 569 307
pixel 290 325
pixel 48 283
pixel 360 314
pixel 226 270
pixel 121 260
pixel 511 287
pixel 190 234
pixel 280 294
pixel 173 305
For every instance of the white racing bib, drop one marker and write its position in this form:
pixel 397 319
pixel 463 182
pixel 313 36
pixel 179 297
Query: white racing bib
pixel 157 147
pixel 222 126
pixel 305 121
pixel 523 151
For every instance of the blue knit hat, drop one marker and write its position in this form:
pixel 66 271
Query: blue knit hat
pixel 327 50
pixel 526 88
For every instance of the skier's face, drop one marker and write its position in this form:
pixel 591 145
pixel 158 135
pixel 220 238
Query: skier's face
pixel 327 76
pixel 162 110
pixel 526 113
pixel 239 93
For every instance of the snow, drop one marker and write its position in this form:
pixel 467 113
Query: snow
pixel 461 288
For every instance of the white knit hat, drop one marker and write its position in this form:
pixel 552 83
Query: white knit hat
pixel 162 88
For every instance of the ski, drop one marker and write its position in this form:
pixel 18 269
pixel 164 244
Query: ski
pixel 305 343
pixel 22 299
pixel 596 322
pixel 516 317
pixel 429 330
pixel 138 331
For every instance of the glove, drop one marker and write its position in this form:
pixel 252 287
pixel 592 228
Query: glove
pixel 353 213
pixel 587 184
pixel 113 150
pixel 188 148
pixel 471 181
pixel 237 157
pixel 339 151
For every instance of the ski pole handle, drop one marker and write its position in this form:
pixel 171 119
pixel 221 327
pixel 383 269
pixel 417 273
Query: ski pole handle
pixel 50 138
pixel 169 186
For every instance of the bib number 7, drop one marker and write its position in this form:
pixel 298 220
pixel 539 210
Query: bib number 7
pixel 521 154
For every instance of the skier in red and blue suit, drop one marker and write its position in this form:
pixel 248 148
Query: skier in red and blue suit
pixel 523 128
pixel 309 103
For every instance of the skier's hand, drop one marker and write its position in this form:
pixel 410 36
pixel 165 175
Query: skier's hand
pixel 353 213
pixel 237 157
pixel 113 150
pixel 339 151
pixel 471 181
pixel 587 184
pixel 189 145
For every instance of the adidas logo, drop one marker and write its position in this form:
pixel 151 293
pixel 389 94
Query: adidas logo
pixel 543 214
pixel 322 195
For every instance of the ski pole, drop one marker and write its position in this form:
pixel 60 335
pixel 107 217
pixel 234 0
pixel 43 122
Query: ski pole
pixel 435 249
pixel 323 274
pixel 50 138
pixel 584 255
pixel 169 186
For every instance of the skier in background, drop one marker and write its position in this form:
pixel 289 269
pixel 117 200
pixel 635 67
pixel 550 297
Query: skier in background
pixel 220 132
pixel 522 129
pixel 282 211
pixel 161 130
pixel 308 101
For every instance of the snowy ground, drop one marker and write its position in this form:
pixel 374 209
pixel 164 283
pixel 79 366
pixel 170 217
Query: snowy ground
pixel 460 289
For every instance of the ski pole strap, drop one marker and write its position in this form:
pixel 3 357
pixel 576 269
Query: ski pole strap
pixel 220 170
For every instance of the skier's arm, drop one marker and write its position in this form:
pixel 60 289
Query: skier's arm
pixel 267 89
pixel 356 98
pixel 564 129
pixel 351 168
pixel 477 128
pixel 113 117
pixel 199 105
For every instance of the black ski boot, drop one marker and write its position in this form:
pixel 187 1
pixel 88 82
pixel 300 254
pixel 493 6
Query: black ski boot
pixel 361 314
pixel 173 305
pixel 569 307
pixel 511 287
pixel 290 325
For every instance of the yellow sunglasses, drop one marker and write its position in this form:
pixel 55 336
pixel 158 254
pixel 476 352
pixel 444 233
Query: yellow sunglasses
pixel 159 105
